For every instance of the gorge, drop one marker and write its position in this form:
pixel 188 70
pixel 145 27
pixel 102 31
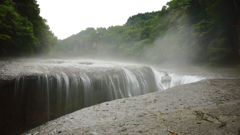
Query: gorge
pixel 35 91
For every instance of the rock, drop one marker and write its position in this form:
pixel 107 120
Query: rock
pixel 196 113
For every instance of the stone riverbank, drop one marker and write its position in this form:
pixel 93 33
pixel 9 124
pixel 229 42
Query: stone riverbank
pixel 208 107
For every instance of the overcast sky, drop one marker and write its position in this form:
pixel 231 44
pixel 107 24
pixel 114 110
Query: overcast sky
pixel 68 17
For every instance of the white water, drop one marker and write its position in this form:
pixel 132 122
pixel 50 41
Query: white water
pixel 62 88
pixel 176 79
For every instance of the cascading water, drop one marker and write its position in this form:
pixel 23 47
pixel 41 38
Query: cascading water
pixel 50 89
pixel 176 79
pixel 72 91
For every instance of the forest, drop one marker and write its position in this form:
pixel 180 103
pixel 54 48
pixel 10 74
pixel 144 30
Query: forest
pixel 23 32
pixel 198 32
pixel 184 31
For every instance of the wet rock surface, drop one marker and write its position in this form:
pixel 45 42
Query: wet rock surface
pixel 34 91
pixel 11 69
pixel 205 107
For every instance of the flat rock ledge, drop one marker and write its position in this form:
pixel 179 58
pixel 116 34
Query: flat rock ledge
pixel 208 107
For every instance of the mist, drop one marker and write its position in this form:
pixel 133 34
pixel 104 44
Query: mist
pixel 178 34
pixel 150 53
pixel 175 47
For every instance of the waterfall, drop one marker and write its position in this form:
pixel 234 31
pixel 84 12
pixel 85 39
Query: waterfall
pixel 175 79
pixel 64 92
pixel 43 97
pixel 52 89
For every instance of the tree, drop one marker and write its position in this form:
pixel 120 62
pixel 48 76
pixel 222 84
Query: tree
pixel 184 31
pixel 22 31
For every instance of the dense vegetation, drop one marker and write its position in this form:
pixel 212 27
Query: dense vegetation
pixel 185 31
pixel 23 32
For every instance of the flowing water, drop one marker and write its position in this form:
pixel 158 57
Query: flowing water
pixel 48 89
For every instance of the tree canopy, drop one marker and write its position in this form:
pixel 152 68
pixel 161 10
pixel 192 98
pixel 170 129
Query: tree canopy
pixel 183 31
pixel 23 32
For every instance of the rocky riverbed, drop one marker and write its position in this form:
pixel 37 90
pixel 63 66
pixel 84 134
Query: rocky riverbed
pixel 208 107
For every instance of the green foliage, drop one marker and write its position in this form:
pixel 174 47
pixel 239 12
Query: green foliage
pixel 22 31
pixel 140 17
pixel 184 31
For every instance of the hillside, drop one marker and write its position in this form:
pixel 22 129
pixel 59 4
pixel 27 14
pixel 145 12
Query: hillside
pixel 23 32
pixel 184 31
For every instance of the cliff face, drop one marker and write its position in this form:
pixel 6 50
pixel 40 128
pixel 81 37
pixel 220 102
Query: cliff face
pixel 205 107
pixel 7 105
pixel 34 92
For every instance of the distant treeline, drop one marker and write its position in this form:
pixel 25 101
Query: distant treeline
pixel 23 32
pixel 183 31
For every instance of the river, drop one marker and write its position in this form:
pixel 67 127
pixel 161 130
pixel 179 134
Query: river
pixel 34 91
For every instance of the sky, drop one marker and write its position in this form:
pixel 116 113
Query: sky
pixel 68 17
